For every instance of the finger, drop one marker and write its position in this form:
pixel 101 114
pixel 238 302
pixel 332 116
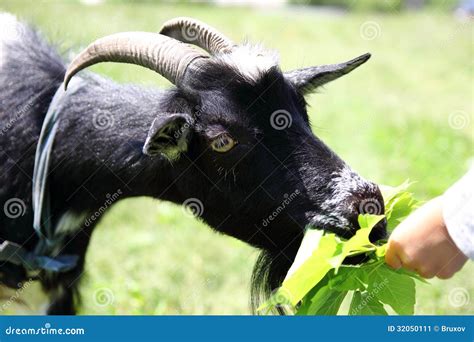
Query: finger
pixel 424 273
pixel 449 269
pixel 391 257
pixel 444 275
pixel 408 262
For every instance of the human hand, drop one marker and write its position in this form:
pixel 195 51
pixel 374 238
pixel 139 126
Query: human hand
pixel 421 243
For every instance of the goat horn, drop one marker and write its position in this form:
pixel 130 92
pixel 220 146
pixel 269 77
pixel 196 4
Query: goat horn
pixel 192 31
pixel 168 57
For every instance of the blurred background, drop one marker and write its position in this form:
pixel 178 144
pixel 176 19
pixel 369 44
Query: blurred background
pixel 406 114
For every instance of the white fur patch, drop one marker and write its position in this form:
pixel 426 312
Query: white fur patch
pixel 250 60
pixel 10 31
pixel 343 186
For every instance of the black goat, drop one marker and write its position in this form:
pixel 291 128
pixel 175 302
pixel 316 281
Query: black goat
pixel 232 137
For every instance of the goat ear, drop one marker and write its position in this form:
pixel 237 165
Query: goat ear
pixel 168 135
pixel 308 79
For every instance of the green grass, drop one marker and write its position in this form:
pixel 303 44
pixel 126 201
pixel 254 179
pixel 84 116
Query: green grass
pixel 389 120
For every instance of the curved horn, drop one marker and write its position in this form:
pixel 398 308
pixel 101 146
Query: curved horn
pixel 168 57
pixel 196 32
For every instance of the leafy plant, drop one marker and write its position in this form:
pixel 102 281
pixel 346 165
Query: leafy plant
pixel 318 281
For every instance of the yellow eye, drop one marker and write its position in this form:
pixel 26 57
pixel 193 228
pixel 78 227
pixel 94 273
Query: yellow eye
pixel 223 143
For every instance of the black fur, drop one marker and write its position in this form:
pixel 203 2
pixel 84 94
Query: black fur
pixel 238 189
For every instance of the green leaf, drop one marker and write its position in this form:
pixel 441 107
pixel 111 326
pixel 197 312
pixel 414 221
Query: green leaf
pixel 322 299
pixel 413 275
pixel 305 305
pixel 393 288
pixel 367 221
pixel 400 208
pixel 359 243
pixel 389 193
pixel 399 202
pixel 349 279
pixel 308 245
pixel 380 251
pixel 326 301
pixel 363 303
pixel 312 270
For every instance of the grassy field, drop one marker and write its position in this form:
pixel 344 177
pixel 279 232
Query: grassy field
pixel 408 113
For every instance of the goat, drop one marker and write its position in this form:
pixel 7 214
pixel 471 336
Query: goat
pixel 232 134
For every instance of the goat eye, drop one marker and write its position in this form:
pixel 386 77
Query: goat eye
pixel 223 143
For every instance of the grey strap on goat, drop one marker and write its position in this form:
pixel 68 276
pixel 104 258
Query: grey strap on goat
pixel 38 259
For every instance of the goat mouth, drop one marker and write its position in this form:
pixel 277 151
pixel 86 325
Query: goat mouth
pixel 346 231
pixel 379 232
pixel 329 224
pixel 333 224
